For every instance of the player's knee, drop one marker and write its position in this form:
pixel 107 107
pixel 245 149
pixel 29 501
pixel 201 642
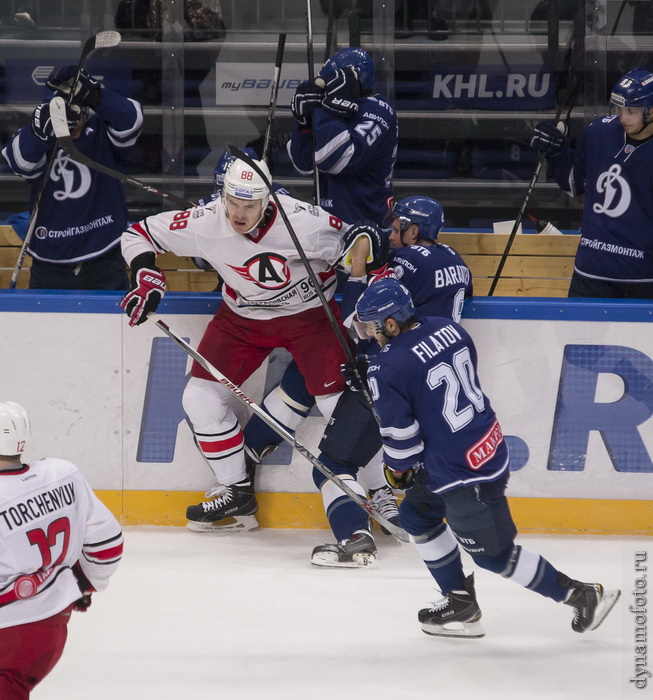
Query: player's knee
pixel 419 525
pixel 204 402
pixel 340 470
pixel 293 386
pixel 497 563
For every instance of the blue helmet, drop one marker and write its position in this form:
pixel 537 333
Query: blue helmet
pixel 352 56
pixel 383 299
pixel 635 89
pixel 225 160
pixel 427 213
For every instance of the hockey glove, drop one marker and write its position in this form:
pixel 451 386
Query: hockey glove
pixel 88 90
pixel 342 92
pixel 379 246
pixel 85 586
pixel 148 288
pixel 398 480
pixel 548 137
pixel 42 122
pixel 355 372
pixel 307 97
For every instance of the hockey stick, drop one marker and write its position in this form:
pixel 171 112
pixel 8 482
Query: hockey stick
pixel 311 78
pixel 238 153
pixel 62 132
pixel 101 40
pixel 280 430
pixel 570 101
pixel 273 97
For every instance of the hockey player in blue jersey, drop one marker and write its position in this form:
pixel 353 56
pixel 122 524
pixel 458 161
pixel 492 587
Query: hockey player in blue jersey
pixel 443 443
pixel 82 213
pixel 612 165
pixel 355 137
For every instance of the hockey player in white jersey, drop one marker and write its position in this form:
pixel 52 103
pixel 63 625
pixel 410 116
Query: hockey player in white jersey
pixel 268 302
pixel 58 544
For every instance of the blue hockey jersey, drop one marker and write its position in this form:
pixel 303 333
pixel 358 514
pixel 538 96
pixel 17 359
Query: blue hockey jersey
pixel 616 177
pixel 82 213
pixel 437 277
pixel 355 158
pixel 432 409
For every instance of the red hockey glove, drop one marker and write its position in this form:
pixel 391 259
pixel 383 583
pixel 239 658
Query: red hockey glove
pixel 148 288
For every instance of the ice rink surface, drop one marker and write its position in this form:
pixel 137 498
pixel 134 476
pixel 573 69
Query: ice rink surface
pixel 246 617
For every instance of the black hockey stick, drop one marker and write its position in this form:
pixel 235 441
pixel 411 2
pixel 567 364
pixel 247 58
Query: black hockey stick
pixel 311 78
pixel 62 132
pixel 280 430
pixel 570 101
pixel 273 97
pixel 101 40
pixel 238 153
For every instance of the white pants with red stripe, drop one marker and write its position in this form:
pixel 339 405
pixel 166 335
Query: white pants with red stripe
pixel 217 431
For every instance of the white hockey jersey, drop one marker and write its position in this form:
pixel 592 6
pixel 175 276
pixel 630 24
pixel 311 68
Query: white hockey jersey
pixel 263 274
pixel 49 520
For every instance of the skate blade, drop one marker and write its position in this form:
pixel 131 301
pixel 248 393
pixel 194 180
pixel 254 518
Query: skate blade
pixel 470 630
pixel 608 602
pixel 330 560
pixel 236 523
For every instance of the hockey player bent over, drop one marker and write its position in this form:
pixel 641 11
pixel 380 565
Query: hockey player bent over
pixel 442 442
pixel 268 302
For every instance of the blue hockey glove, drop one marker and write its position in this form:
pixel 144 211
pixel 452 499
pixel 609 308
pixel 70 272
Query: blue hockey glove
pixel 355 372
pixel 88 90
pixel 307 97
pixel 398 480
pixel 342 91
pixel 148 288
pixel 42 122
pixel 379 246
pixel 548 139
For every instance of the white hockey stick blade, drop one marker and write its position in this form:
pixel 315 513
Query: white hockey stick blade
pixel 106 39
pixel 280 430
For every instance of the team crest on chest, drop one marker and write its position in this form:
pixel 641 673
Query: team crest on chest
pixel 265 270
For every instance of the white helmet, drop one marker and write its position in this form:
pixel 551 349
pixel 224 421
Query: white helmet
pixel 244 182
pixel 14 428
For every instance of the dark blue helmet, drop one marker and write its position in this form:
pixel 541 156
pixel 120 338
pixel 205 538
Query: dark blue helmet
pixel 225 160
pixel 385 298
pixel 427 213
pixel 352 56
pixel 635 89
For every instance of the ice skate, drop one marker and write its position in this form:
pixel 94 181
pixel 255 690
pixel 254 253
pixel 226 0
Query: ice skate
pixel 384 504
pixel 254 457
pixel 590 601
pixel 230 508
pixel 359 550
pixel 456 615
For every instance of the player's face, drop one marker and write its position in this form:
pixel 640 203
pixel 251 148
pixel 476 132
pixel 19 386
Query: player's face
pixel 399 238
pixel 243 214
pixel 632 120
pixel 375 331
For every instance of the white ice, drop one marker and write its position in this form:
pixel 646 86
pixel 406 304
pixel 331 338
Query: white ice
pixel 247 617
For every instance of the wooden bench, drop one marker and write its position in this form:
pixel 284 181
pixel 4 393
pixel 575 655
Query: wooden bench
pixel 538 265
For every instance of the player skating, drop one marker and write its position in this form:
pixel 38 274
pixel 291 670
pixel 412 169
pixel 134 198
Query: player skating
pixel 59 545
pixel 443 443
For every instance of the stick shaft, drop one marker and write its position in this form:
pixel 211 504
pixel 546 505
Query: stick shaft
pixel 311 77
pixel 274 92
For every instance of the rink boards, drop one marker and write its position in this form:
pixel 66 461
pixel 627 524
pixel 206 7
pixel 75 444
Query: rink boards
pixel 570 380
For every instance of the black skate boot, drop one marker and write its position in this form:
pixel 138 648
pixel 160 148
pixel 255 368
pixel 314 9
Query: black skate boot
pixel 358 550
pixel 590 601
pixel 384 504
pixel 458 608
pixel 231 508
